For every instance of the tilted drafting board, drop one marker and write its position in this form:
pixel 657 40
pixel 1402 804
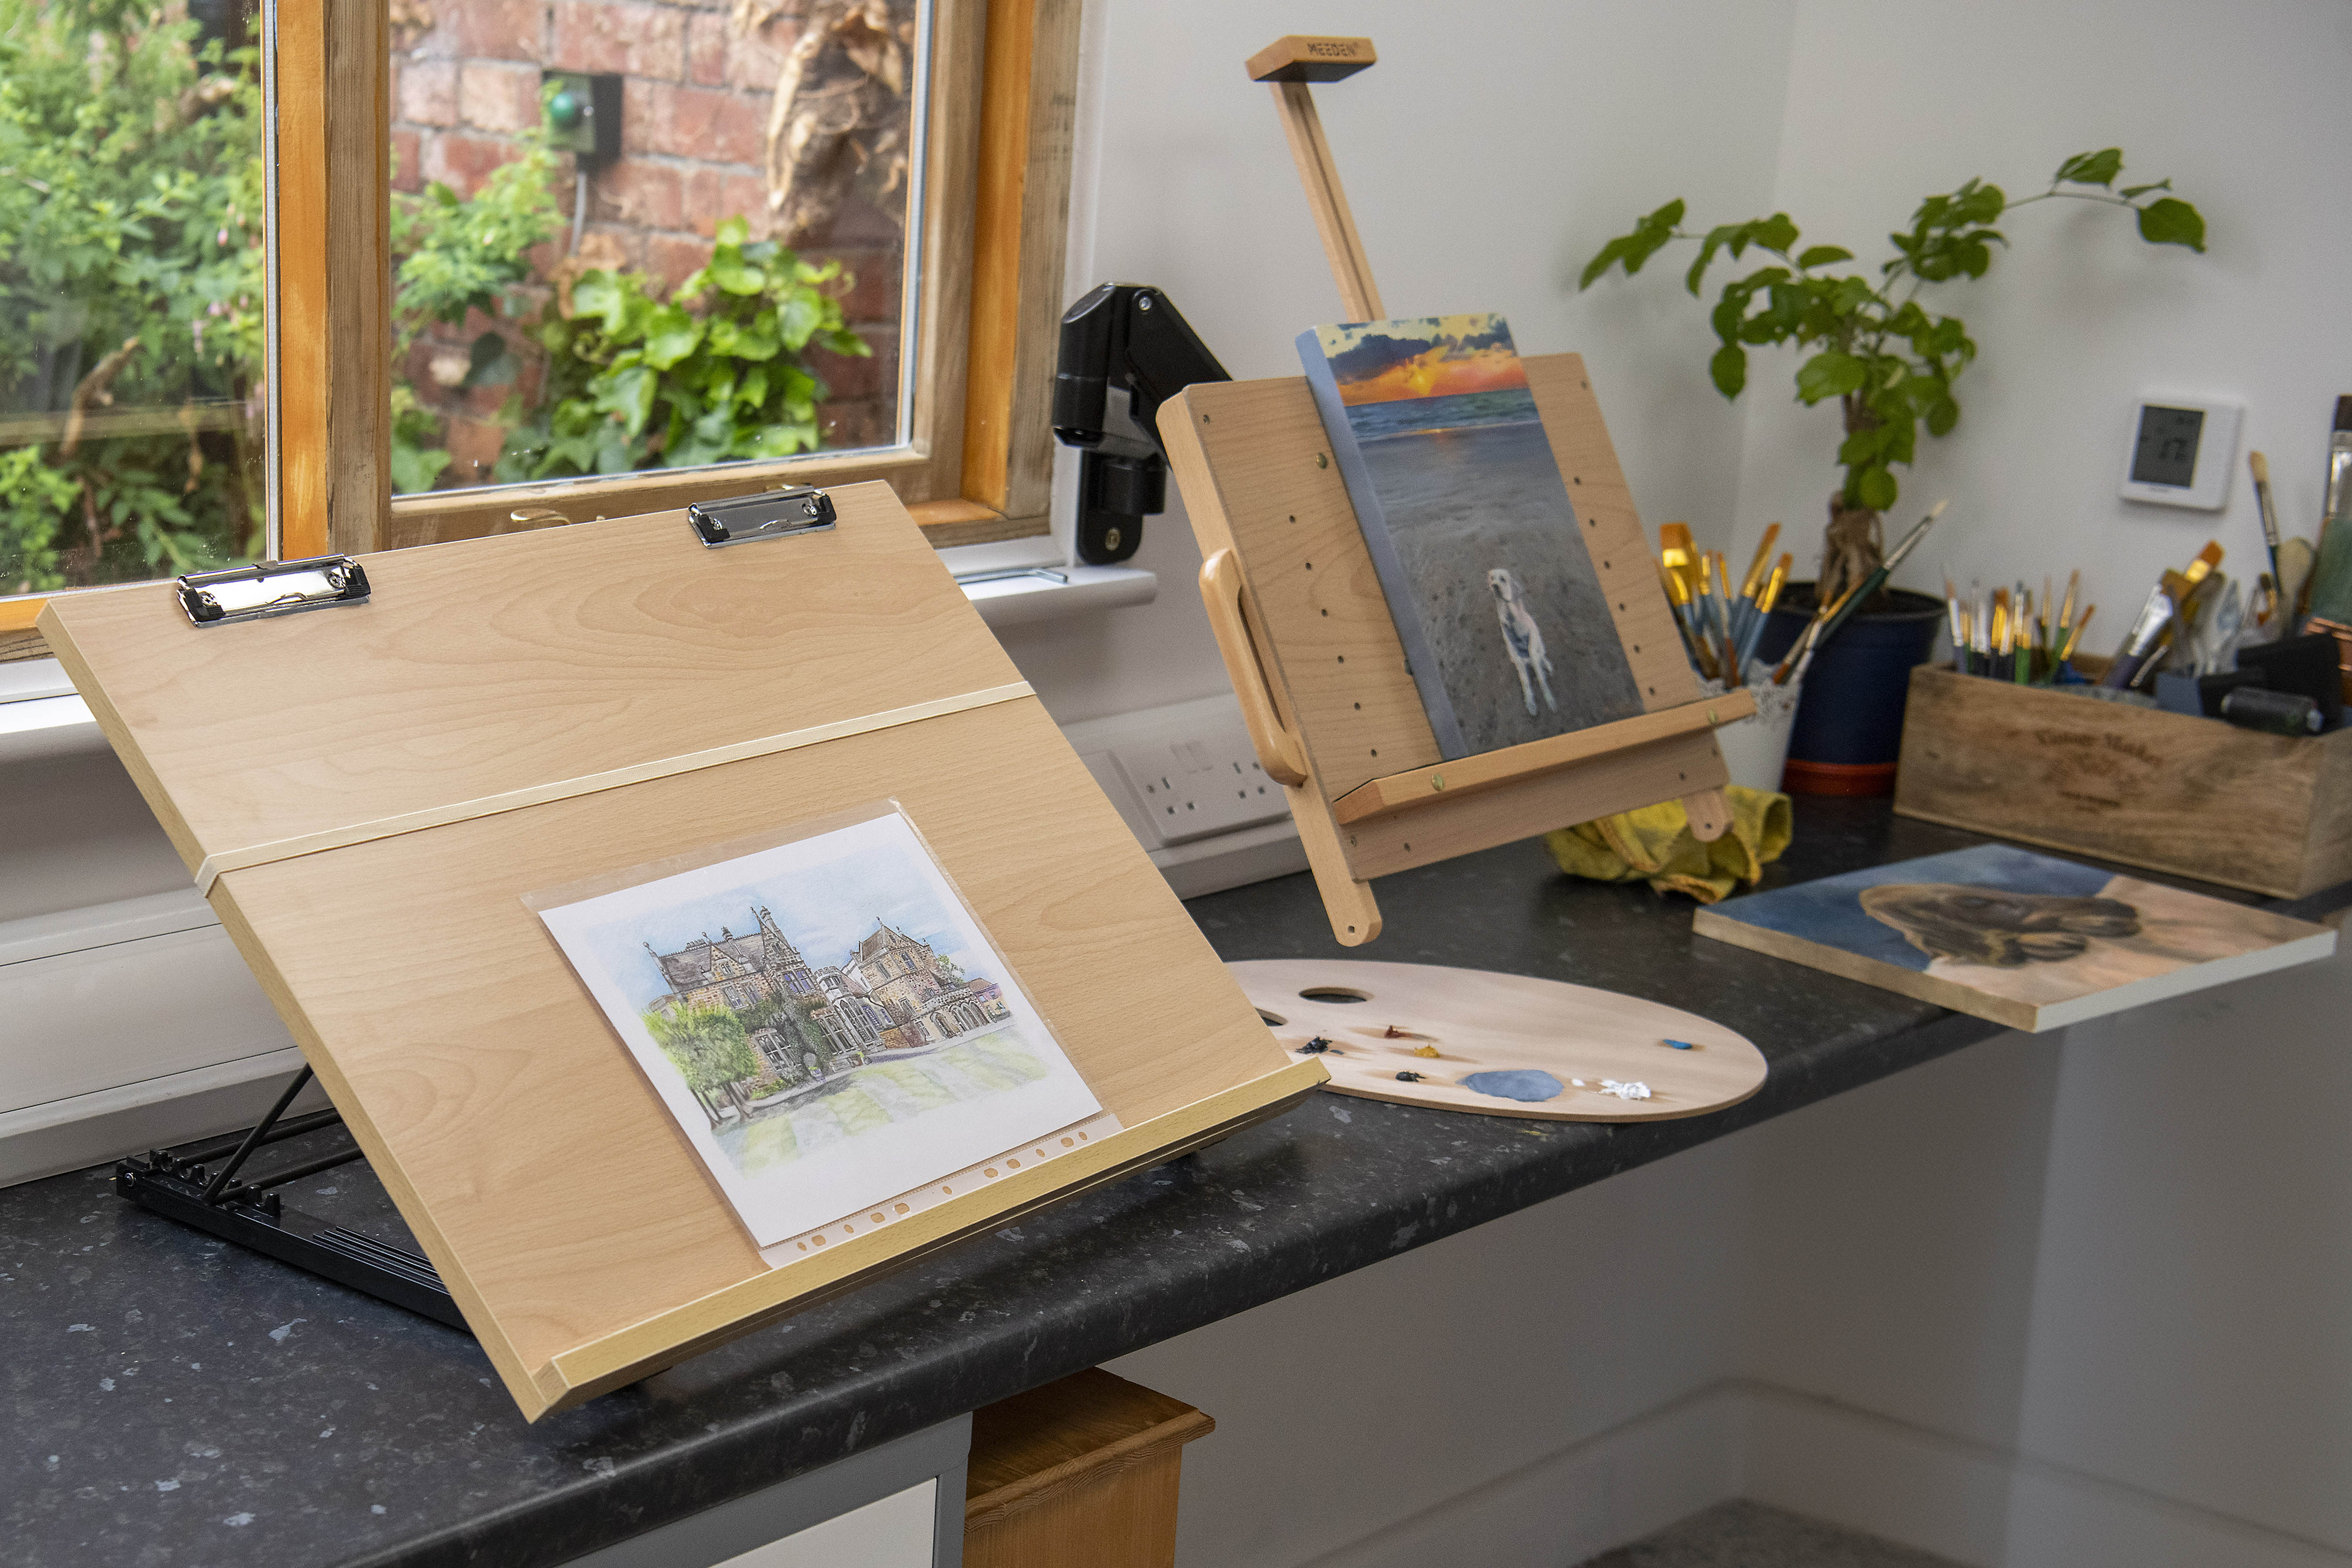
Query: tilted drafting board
pixel 564 1210
pixel 1314 659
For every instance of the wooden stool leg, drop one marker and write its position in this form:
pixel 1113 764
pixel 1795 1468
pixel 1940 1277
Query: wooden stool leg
pixel 1710 815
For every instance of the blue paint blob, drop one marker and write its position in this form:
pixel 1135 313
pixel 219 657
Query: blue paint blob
pixel 1680 1045
pixel 1523 1083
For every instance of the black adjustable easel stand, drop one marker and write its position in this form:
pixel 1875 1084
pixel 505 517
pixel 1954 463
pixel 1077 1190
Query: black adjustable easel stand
pixel 250 1213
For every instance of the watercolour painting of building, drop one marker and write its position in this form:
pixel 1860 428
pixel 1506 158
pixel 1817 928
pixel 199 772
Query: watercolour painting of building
pixel 858 1037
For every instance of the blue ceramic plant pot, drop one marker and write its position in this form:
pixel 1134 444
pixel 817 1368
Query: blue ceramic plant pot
pixel 1848 728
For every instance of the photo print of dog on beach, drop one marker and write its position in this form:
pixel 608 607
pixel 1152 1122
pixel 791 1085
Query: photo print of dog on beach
pixel 1470 527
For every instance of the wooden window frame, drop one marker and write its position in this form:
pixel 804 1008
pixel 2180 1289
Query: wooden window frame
pixel 979 465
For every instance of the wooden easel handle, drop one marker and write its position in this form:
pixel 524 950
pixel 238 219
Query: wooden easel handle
pixel 1278 751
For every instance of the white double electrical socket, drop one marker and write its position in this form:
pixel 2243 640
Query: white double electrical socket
pixel 1200 785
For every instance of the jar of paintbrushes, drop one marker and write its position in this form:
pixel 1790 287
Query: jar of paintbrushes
pixel 1720 631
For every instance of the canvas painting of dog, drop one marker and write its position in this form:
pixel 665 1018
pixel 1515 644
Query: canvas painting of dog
pixel 1471 528
pixel 2022 939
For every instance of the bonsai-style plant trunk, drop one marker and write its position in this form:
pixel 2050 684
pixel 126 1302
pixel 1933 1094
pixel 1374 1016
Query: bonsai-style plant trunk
pixel 1852 546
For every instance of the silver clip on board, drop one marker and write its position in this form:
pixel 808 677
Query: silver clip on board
pixel 773 514
pixel 272 588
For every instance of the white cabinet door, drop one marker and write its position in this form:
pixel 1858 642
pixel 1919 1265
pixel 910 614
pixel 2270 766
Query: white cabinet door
pixel 894 1531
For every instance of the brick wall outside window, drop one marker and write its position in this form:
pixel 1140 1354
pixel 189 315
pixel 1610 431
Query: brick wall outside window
pixel 696 97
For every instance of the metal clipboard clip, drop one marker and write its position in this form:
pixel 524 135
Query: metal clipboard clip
pixel 774 514
pixel 272 588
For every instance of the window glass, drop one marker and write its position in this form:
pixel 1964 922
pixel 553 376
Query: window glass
pixel 724 277
pixel 132 284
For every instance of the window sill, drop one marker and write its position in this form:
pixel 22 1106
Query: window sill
pixel 39 714
pixel 1050 592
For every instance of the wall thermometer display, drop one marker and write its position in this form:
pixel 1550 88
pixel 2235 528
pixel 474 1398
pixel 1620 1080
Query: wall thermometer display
pixel 2181 452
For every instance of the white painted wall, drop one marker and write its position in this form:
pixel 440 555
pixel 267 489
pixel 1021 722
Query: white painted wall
pixel 1486 199
pixel 1498 144
pixel 2245 108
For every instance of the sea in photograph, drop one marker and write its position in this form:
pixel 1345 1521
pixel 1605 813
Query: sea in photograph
pixel 877 1094
pixel 1414 416
pixel 1462 498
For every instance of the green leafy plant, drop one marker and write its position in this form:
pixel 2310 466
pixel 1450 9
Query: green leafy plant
pixel 711 374
pixel 1888 361
pixel 456 257
pixel 130 275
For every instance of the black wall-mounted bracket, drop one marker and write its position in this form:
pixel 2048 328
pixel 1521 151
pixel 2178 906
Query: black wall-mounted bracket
pixel 1124 342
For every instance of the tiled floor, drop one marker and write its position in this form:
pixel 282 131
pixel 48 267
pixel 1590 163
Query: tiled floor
pixel 1741 1534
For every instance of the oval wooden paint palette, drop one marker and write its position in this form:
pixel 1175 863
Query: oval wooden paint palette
pixel 1478 1022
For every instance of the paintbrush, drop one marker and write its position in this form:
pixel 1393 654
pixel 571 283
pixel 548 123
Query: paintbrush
pixel 1764 606
pixel 1723 619
pixel 2155 617
pixel 2261 468
pixel 1675 549
pixel 1678 599
pixel 1798 656
pixel 2067 651
pixel 1753 583
pixel 1826 624
pixel 1751 587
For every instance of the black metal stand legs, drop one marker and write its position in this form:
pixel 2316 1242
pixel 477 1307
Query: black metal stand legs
pixel 250 1213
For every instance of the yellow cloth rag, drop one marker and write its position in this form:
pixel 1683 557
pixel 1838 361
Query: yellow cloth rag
pixel 1656 843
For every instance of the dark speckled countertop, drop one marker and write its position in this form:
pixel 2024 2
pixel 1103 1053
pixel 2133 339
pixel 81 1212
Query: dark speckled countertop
pixel 172 1399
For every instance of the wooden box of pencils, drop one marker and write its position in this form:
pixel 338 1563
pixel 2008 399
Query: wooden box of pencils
pixel 2167 792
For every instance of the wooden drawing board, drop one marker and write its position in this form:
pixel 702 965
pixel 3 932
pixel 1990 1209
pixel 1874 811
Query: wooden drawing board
pixel 1313 656
pixel 1380 1018
pixel 564 1210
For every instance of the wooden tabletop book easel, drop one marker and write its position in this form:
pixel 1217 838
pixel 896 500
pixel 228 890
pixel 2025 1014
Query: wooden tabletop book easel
pixel 1305 631
pixel 368 790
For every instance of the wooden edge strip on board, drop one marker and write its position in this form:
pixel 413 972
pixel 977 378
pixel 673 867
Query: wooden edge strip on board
pixel 1445 781
pixel 215 866
pixel 648 1346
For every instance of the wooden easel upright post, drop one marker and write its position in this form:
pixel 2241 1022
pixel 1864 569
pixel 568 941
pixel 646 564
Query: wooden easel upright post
pixel 1306 632
pixel 1291 65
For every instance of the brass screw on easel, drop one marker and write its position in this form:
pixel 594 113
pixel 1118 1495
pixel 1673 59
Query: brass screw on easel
pixel 1291 64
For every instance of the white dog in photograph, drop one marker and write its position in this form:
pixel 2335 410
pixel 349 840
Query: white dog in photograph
pixel 1523 639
